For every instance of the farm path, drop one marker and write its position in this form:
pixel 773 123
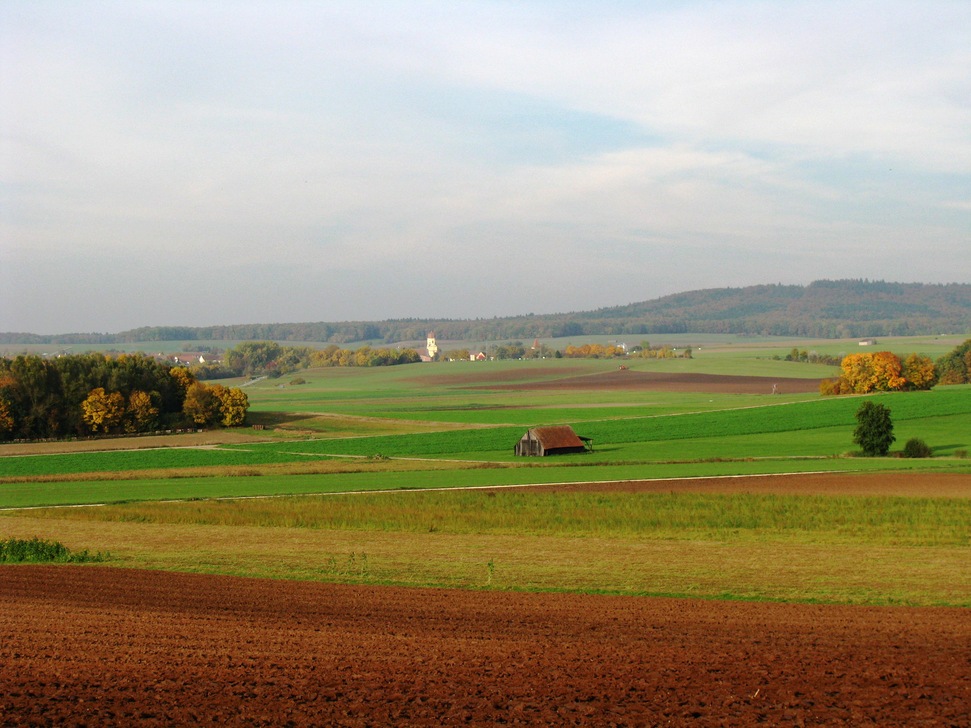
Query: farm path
pixel 104 646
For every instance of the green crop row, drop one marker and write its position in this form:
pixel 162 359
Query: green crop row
pixel 795 416
pixel 31 494
pixel 133 460
pixel 451 442
pixel 790 417
pixel 800 419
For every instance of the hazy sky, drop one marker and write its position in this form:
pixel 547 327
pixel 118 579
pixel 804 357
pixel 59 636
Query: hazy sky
pixel 195 163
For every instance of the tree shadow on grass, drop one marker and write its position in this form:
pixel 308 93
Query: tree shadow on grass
pixel 274 419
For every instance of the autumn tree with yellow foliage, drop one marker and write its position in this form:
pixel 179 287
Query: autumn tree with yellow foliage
pixel 881 371
pixel 103 411
pixel 142 414
pixel 216 404
pixel 232 406
pixel 6 418
pixel 920 372
pixel 201 405
pixel 955 366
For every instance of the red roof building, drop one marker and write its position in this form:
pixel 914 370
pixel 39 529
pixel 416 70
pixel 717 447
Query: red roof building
pixel 555 440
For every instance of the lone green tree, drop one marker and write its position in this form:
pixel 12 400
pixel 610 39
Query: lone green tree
pixel 874 431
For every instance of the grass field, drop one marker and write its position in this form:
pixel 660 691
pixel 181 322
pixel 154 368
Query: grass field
pixel 453 426
pixel 873 550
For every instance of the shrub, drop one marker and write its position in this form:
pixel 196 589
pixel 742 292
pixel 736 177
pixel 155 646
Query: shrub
pixel 297 381
pixel 917 448
pixel 36 550
pixel 829 387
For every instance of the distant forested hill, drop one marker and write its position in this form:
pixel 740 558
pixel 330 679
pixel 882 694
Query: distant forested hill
pixel 826 309
pixel 823 309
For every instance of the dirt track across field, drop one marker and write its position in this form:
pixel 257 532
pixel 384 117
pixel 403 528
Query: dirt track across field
pixel 102 646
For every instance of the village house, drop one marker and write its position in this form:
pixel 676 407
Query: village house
pixel 188 359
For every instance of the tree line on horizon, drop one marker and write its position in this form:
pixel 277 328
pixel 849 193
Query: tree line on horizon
pixel 823 309
pixel 269 358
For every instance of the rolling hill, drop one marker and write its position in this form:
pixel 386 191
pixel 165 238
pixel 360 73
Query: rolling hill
pixel 822 309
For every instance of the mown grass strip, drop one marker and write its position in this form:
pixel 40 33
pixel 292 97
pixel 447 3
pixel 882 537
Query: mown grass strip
pixel 134 460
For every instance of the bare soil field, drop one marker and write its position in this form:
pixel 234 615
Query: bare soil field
pixel 622 379
pixel 626 379
pixel 481 377
pixel 207 438
pixel 910 485
pixel 103 646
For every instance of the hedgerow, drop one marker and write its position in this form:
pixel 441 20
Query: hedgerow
pixel 37 550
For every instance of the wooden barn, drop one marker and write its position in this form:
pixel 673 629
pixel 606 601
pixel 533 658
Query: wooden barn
pixel 556 440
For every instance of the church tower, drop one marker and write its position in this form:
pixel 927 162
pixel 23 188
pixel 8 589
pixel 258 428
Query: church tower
pixel 430 345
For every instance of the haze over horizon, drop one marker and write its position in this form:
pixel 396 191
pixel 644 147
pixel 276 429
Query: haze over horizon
pixel 167 163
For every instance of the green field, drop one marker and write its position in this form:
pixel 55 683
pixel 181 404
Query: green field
pixel 376 434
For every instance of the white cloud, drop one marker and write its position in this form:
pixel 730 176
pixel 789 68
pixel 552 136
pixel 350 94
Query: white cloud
pixel 367 144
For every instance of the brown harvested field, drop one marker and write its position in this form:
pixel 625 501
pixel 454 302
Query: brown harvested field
pixel 207 438
pixel 628 379
pixel 622 379
pixel 910 485
pixel 102 646
pixel 489 376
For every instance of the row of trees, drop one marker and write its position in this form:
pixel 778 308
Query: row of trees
pixel 865 372
pixel 645 351
pixel 365 356
pixel 269 358
pixel 611 351
pixel 594 351
pixel 812 357
pixel 85 394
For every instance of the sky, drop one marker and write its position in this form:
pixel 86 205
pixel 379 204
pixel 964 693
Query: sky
pixel 174 163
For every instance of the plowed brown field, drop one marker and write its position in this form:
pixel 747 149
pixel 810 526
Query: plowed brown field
pixel 101 646
pixel 624 379
pixel 628 379
pixel 905 485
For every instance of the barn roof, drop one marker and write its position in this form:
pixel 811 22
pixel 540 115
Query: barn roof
pixel 557 436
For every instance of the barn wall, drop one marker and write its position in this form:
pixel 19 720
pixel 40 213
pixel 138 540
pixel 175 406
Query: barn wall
pixel 529 446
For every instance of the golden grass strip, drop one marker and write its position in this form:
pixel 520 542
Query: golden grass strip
pixel 737 517
pixel 753 570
